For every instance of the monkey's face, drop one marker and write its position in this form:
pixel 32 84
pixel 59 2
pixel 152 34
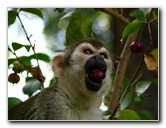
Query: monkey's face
pixel 92 65
pixel 85 67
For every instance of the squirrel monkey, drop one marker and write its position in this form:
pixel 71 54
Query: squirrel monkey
pixel 83 75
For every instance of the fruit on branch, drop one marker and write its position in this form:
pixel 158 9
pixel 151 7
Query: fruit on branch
pixel 14 78
pixel 18 67
pixel 137 47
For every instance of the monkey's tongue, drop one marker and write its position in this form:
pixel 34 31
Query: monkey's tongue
pixel 96 75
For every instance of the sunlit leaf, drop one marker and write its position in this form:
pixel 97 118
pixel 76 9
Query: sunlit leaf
pixel 12 101
pixel 33 11
pixel 134 25
pixel 67 15
pixel 11 17
pixel 154 52
pixel 127 114
pixel 151 63
pixel 142 86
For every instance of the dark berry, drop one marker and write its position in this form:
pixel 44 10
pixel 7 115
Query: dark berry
pixel 97 75
pixel 13 78
pixel 136 47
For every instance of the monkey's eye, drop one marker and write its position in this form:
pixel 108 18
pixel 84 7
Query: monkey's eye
pixel 103 55
pixel 87 51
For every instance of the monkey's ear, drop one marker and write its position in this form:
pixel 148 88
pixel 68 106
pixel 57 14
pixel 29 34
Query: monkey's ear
pixel 58 64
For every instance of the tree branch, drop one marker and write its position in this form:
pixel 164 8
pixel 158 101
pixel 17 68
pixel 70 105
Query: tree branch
pixel 114 14
pixel 120 72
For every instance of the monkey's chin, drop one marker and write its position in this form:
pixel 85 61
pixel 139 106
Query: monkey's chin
pixel 93 86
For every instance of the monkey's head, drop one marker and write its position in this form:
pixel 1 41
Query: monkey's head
pixel 85 65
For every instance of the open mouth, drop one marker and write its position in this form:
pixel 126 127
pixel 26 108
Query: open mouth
pixel 97 73
pixel 95 76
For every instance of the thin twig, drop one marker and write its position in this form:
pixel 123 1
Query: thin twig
pixel 132 82
pixel 28 38
pixel 150 38
pixel 20 60
pixel 33 47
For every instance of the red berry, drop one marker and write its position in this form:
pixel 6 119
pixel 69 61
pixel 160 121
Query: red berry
pixel 97 75
pixel 136 47
pixel 13 78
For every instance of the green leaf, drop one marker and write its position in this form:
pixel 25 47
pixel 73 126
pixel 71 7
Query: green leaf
pixel 86 26
pixel 11 17
pixel 144 115
pixel 17 46
pixel 125 82
pixel 26 60
pixel 142 86
pixel 126 101
pixel 27 47
pixel 41 56
pixel 12 101
pixel 33 11
pixel 9 49
pixel 31 87
pixel 79 27
pixel 139 99
pixel 11 61
pixel 127 114
pixel 137 13
pixel 131 28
